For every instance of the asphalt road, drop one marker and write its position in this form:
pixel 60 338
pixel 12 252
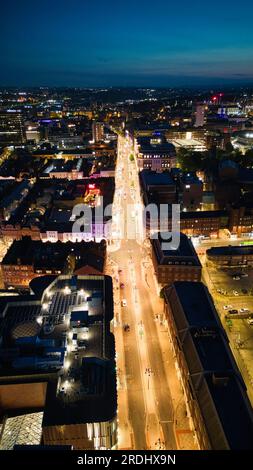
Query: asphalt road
pixel 149 398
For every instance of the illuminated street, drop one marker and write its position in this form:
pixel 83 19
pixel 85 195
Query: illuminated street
pixel 145 385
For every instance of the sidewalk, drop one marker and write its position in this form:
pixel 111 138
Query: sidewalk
pixel 125 435
pixel 183 433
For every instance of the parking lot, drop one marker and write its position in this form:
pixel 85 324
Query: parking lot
pixel 232 291
pixel 231 282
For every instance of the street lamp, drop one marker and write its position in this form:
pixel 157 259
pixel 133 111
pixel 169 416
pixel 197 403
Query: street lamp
pixel 148 373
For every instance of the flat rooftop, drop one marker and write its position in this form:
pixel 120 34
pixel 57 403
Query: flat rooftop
pixel 65 334
pixel 215 379
pixel 230 251
pixel 233 409
pixel 185 251
pixel 152 178
pixel 197 304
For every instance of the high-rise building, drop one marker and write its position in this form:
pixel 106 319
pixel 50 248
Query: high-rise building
pixel 11 127
pixel 97 131
pixel 199 115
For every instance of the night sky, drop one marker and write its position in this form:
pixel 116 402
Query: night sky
pixel 115 43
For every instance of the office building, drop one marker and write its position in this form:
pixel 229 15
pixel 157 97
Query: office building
pixel 172 265
pixel 11 127
pixel 215 393
pixel 57 354
pixel 200 115
pixel 155 153
pixel 97 131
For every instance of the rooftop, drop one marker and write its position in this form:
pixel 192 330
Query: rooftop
pixel 230 251
pixel 152 178
pixel 197 304
pixel 185 252
pixel 66 334
pixel 54 255
pixel 215 379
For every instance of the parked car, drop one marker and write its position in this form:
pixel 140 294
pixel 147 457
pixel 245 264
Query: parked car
pixel 243 310
pixel 123 303
pixel 227 307
pixel 233 312
pixel 250 321
pixel 235 293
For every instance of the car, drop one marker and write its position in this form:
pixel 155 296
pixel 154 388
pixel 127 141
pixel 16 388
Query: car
pixel 243 310
pixel 233 312
pixel 244 275
pixel 123 303
pixel 250 321
pixel 244 291
pixel 227 307
pixel 235 293
pixel 236 278
pixel 122 285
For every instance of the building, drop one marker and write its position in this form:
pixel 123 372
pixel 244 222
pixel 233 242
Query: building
pixel 231 256
pixel 50 210
pixel 32 132
pixel 241 221
pixel 67 169
pixel 175 265
pixel 203 223
pixel 215 393
pixel 243 140
pixel 200 115
pixel 21 430
pixel 193 145
pixel 155 153
pixel 27 259
pixel 11 127
pixel 13 199
pixel 190 191
pixel 57 354
pixel 157 187
pixel 97 131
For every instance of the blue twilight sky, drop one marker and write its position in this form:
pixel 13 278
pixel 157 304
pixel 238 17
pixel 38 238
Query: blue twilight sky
pixel 137 42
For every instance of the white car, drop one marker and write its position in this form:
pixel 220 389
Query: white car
pixel 227 307
pixel 235 293
pixel 250 321
pixel 243 310
pixel 123 303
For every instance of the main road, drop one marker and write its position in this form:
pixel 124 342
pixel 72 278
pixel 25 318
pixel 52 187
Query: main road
pixel 144 391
